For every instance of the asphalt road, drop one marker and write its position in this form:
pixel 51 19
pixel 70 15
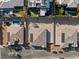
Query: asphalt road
pixel 26 54
pixel 39 54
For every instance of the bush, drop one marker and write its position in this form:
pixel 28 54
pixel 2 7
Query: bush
pixel 60 51
pixel 55 52
pixel 7 23
pixel 61 11
pixel 33 13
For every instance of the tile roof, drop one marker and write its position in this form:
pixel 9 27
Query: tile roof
pixel 12 3
pixel 71 3
pixel 41 40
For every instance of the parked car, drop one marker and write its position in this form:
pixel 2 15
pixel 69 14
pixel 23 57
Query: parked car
pixel 17 48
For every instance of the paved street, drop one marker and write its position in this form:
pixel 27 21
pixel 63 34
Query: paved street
pixel 26 54
pixel 39 54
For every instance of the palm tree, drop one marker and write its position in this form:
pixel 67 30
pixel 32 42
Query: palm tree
pixel 54 6
pixel 78 10
pixel 26 5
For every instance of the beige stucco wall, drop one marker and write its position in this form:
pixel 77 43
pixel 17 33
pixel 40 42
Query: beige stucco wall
pixel 56 26
pixel 70 30
pixel 41 27
pixel 15 32
pixel 4 36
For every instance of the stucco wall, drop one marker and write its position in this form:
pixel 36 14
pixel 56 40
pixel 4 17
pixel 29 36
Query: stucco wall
pixel 15 32
pixel 68 26
pixel 37 31
pixel 56 26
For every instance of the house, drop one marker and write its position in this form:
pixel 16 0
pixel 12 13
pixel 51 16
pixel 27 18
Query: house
pixel 41 6
pixel 70 6
pixel 53 33
pixel 40 32
pixel 10 6
pixel 13 30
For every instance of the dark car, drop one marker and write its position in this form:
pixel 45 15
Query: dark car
pixel 17 48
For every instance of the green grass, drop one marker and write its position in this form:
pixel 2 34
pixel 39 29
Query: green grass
pixel 33 13
pixel 18 9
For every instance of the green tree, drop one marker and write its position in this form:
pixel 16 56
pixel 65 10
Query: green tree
pixel 26 5
pixel 61 11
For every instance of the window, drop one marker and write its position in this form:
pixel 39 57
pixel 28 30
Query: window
pixel 16 22
pixel 8 36
pixel 0 34
pixel 44 1
pixel 31 37
pixel 78 37
pixel 38 4
pixel 63 37
pixel 48 36
pixel 30 3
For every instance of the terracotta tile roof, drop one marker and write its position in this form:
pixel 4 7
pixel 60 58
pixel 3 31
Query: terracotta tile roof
pixel 12 4
pixel 71 3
